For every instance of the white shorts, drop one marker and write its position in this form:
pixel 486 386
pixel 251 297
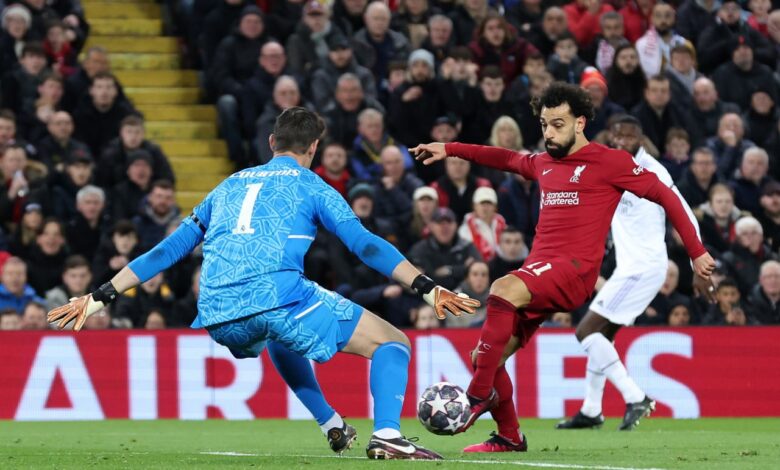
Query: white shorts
pixel 625 296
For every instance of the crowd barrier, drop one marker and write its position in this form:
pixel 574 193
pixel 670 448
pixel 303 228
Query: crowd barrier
pixel 183 374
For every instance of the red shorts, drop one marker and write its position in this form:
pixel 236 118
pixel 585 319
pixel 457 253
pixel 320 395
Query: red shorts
pixel 555 286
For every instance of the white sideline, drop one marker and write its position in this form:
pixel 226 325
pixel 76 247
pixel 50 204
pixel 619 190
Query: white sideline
pixel 484 462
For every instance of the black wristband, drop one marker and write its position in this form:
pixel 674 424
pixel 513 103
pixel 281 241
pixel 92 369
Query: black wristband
pixel 422 284
pixel 105 293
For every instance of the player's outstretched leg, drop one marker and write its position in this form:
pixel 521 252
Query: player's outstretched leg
pixel 390 351
pixel 507 294
pixel 299 376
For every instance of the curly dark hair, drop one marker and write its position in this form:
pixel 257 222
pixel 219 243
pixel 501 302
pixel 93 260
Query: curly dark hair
pixel 564 93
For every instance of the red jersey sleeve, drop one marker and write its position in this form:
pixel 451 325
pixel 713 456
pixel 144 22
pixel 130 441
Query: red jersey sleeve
pixel 495 157
pixel 628 175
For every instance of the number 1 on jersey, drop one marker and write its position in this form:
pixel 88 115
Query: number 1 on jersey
pixel 537 270
pixel 245 216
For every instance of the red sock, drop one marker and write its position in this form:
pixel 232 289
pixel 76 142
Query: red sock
pixel 504 414
pixel 496 332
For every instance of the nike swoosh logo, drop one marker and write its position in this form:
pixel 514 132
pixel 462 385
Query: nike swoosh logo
pixel 409 449
pixel 546 171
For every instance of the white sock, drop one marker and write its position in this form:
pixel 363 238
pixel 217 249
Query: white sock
pixel 594 390
pixel 335 421
pixel 387 433
pixel 606 359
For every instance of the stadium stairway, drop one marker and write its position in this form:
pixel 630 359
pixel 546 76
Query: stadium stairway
pixel 148 66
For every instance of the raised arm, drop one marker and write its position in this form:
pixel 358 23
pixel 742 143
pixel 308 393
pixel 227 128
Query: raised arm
pixel 493 157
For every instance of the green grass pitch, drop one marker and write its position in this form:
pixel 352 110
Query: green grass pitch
pixel 657 443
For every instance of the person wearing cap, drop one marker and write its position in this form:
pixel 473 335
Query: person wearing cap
pixel 234 64
pixel 308 47
pixel 127 195
pixel 656 43
pixel 58 145
pixel 425 200
pixel 718 40
pixel 79 169
pixel 595 84
pixel 738 78
pixel 484 225
pixel 415 105
pixel 444 255
pixel 752 178
pixel 377 45
pixel 132 136
pixel 340 60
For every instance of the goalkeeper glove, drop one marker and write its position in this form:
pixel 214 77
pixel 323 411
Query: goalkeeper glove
pixel 80 308
pixel 443 300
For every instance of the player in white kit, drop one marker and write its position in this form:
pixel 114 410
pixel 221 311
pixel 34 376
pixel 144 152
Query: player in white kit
pixel 638 230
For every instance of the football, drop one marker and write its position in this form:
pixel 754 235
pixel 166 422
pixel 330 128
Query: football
pixel 442 408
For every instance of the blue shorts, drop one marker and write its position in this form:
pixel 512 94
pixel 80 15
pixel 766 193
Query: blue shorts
pixel 316 327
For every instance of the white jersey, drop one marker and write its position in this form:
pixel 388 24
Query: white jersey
pixel 639 225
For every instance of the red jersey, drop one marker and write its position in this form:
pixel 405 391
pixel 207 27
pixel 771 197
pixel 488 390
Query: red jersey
pixel 579 195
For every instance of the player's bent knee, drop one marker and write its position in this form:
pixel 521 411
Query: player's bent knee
pixel 512 289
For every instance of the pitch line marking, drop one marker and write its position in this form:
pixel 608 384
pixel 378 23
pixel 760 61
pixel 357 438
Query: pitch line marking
pixel 484 462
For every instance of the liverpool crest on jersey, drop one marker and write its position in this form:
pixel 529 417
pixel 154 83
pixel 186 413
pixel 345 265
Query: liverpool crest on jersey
pixel 577 172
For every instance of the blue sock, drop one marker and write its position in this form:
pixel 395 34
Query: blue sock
pixel 389 372
pixel 299 375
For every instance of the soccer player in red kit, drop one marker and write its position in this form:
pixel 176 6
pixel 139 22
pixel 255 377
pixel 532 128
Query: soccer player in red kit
pixel 581 184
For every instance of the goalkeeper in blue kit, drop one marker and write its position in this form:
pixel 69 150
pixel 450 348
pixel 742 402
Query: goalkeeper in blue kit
pixel 256 226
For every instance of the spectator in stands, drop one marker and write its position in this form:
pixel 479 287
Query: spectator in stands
pixel 465 19
pixel 752 178
pixel 440 40
pixel 518 202
pixel 769 215
pixel 20 85
pixel 77 85
pixel 424 318
pixel 186 309
pixel 134 305
pixel 477 286
pixel 155 320
pixel 773 30
pixel 729 144
pixel 657 112
pixel 22 181
pixel 524 14
pixel 625 79
pixel 707 110
pixel 762 117
pixel 656 43
pixel 377 45
pixel 496 43
pixel 411 18
pixel 544 34
pixel 694 16
pixel 425 200
pixel 565 64
pixel 348 15
pixel 339 61
pixel 34 317
pixel 583 16
pixel 158 211
pixel 60 52
pixel 32 123
pixel 286 94
pixel 728 310
pixel 484 225
pixel 16 22
pixel 7 127
pixel 737 78
pixel 15 293
pixel 444 256
pixel 58 146
pixel 483 106
pixel 764 297
pixel 217 25
pixel 76 280
pixel 682 75
pixel 743 261
pixel 98 116
pixel 341 115
pixel 27 230
pixel 676 156
pixel 101 320
pixel 510 254
pixel 127 195
pixel 114 160
pixel 679 315
pixel 11 321
pixel 47 256
pixel 717 218
pixel 85 229
pixel 504 133
pixel 257 91
pixel 415 105
pixel 78 173
pixel 394 188
pixel 596 85
pixel 456 188
pixel 759 16
pixel 459 74
pixel 307 48
pixel 115 251
pixel 396 76
pixel 333 168
pixel 637 17
pixel 602 51
pixel 667 297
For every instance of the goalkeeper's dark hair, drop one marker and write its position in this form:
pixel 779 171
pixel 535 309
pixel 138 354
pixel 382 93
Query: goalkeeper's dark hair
pixel 296 129
pixel 560 93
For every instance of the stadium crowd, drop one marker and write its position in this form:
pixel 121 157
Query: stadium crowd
pixel 84 192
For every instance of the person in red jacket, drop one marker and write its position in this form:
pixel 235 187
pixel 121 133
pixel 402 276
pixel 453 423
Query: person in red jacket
pixel 496 43
pixel 636 18
pixel 583 17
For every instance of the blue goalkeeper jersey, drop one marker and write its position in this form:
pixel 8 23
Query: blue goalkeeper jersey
pixel 256 227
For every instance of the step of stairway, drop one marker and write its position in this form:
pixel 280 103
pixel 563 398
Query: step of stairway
pixel 212 148
pixel 178 112
pixel 120 27
pixel 158 78
pixel 161 95
pixel 169 130
pixel 134 43
pixel 122 10
pixel 143 61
